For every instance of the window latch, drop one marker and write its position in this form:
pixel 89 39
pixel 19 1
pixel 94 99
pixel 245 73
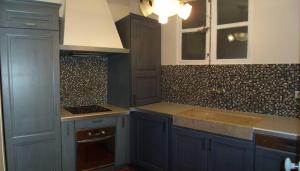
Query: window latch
pixel 203 29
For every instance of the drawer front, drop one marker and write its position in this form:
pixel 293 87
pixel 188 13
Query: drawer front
pixel 277 143
pixel 29 15
pixel 96 123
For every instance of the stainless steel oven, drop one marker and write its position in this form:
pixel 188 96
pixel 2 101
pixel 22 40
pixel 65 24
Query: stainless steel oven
pixel 95 148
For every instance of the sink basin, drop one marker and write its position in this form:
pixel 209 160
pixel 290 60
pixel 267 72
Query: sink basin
pixel 221 116
pixel 234 124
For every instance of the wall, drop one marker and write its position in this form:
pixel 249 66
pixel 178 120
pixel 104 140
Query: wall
pixel 169 40
pixel 83 80
pixel 268 86
pixel 119 8
pixel 274 33
pixel 266 89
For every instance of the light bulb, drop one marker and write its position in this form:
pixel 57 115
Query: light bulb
pixel 166 7
pixel 163 19
pixel 230 38
pixel 184 11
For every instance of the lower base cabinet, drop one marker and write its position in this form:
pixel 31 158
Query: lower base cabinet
pixel 189 150
pixel 149 141
pixel 229 154
pixel 68 146
pixel 271 159
pixel 197 151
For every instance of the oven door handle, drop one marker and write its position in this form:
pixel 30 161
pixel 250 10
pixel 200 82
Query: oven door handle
pixel 95 139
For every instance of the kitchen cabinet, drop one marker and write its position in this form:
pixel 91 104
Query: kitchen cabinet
pixel 226 153
pixel 135 79
pixel 189 150
pixel 272 151
pixel 149 139
pixel 28 15
pixel 68 146
pixel 195 150
pixel 122 143
pixel 30 88
pixel 270 159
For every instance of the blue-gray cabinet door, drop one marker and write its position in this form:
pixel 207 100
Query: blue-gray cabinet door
pixel 145 52
pixel 30 88
pixel 228 154
pixel 189 150
pixel 270 159
pixel 68 144
pixel 149 141
pixel 122 141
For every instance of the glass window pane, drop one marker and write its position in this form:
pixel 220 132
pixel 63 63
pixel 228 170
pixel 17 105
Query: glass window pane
pixel 198 15
pixel 193 46
pixel 232 43
pixel 232 11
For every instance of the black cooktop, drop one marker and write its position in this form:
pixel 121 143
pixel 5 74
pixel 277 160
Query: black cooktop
pixel 86 109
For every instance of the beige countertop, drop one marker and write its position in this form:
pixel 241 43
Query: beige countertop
pixel 67 116
pixel 166 108
pixel 230 123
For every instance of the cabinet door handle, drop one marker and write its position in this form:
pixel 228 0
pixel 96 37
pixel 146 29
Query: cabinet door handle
pixel 209 145
pixel 123 122
pixel 29 24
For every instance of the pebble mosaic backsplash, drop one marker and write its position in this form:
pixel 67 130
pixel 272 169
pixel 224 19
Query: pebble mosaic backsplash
pixel 265 89
pixel 83 80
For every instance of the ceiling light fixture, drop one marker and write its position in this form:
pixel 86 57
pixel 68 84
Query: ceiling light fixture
pixel 165 9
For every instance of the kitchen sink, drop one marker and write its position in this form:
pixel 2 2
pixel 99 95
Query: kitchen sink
pixel 221 116
pixel 230 123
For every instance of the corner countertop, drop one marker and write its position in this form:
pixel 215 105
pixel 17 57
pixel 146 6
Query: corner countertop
pixel 226 122
pixel 115 111
pixel 166 108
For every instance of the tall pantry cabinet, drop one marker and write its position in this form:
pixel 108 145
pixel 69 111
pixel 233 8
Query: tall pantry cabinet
pixel 29 49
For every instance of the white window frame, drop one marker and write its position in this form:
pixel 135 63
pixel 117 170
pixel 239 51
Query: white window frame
pixel 211 37
pixel 180 31
pixel 214 30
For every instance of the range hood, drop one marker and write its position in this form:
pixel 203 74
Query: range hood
pixel 88 29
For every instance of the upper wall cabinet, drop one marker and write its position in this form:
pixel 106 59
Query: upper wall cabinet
pixel 30 87
pixel 16 14
pixel 142 68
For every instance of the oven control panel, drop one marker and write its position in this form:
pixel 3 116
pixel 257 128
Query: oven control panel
pixel 95 133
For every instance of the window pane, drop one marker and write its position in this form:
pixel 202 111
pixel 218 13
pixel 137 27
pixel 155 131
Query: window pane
pixel 232 11
pixel 193 46
pixel 198 15
pixel 232 43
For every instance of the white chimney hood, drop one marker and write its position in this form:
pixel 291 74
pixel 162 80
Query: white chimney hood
pixel 88 27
